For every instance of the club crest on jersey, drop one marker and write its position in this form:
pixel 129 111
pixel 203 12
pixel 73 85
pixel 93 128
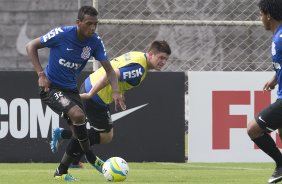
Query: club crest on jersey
pixel 64 101
pixel 85 52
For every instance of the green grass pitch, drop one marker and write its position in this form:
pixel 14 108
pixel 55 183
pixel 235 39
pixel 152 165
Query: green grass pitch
pixel 141 173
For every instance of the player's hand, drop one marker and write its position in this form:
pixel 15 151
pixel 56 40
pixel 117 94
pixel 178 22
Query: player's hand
pixel 269 85
pixel 119 100
pixel 43 82
pixel 85 96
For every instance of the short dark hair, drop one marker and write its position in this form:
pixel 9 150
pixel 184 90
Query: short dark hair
pixel 160 46
pixel 86 10
pixel 271 7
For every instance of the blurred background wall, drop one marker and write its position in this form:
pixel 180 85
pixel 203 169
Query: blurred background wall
pixel 215 35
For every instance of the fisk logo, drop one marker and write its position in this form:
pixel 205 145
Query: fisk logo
pixel 223 121
pixel 52 33
pixel 132 73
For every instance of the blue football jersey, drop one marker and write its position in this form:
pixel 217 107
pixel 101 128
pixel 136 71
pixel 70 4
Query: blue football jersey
pixel 276 51
pixel 68 55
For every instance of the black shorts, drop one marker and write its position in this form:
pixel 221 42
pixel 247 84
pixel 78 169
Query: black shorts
pixel 270 118
pixel 99 117
pixel 60 100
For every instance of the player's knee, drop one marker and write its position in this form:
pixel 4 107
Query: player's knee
pixel 253 130
pixel 77 116
pixel 249 129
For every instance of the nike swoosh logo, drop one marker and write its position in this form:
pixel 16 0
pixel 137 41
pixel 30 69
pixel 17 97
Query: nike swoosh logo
pixel 69 49
pixel 22 40
pixel 271 130
pixel 261 119
pixel 119 115
pixel 122 114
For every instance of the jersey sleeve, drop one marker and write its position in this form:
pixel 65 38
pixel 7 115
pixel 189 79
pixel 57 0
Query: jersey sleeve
pixel 52 38
pixel 132 73
pixel 100 53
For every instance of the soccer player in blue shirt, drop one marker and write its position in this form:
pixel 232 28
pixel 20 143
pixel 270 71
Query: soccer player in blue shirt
pixel 70 49
pixel 131 70
pixel 270 118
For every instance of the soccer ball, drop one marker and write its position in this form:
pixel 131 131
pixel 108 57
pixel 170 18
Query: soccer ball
pixel 115 169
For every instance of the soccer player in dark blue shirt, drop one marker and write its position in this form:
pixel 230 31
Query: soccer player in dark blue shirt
pixel 270 118
pixel 131 69
pixel 70 49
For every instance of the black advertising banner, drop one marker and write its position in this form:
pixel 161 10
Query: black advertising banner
pixel 151 129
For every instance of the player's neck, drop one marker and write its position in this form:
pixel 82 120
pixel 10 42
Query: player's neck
pixel 275 25
pixel 80 36
pixel 148 61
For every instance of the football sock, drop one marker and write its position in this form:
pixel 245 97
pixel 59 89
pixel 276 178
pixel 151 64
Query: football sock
pixel 66 134
pixel 65 163
pixel 96 136
pixel 267 144
pixel 81 134
pixel 73 149
pixel 90 157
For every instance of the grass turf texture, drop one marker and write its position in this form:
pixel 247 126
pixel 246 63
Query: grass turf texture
pixel 141 173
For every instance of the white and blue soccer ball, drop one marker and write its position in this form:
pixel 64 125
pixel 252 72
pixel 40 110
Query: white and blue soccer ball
pixel 115 169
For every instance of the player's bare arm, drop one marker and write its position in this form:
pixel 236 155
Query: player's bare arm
pixel 270 85
pixel 112 78
pixel 32 51
pixel 100 84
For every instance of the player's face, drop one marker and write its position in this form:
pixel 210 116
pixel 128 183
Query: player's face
pixel 265 20
pixel 158 60
pixel 87 26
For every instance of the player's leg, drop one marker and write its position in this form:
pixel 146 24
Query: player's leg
pixel 69 102
pixel 56 139
pixel 75 153
pixel 106 137
pixel 77 164
pixel 60 134
pixel 59 101
pixel 95 138
pixel 100 121
pixel 97 114
pixel 61 173
pixel 76 115
pixel 267 121
pixel 80 132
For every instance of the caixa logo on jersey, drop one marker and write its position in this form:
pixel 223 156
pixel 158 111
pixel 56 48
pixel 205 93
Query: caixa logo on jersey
pixel 69 64
pixel 26 119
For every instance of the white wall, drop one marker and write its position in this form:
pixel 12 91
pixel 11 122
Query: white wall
pixel 220 106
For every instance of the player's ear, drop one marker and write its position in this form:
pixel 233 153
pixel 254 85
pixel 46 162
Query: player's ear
pixel 268 17
pixel 151 53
